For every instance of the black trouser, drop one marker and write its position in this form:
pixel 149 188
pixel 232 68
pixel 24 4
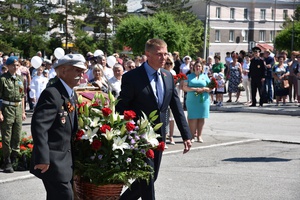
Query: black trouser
pixel 256 85
pixel 140 188
pixel 58 190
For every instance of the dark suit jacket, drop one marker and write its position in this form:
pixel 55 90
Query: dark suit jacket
pixel 52 131
pixel 137 95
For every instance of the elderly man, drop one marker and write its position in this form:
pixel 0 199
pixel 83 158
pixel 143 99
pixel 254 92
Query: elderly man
pixel 12 112
pixel 53 125
pixel 115 81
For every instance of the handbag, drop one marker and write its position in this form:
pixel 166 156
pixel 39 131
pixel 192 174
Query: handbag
pixel 285 84
pixel 241 87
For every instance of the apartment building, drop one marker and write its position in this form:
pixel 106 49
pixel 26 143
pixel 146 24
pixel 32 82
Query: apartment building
pixel 235 25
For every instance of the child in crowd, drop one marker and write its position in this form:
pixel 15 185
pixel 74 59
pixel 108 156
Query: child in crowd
pixel 4 69
pixel 220 90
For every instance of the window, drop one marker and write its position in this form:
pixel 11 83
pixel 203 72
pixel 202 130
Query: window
pixel 262 14
pixel 245 38
pixel 285 14
pixel 232 12
pixel 246 16
pixel 61 28
pixel 272 35
pixel 218 12
pixel 231 36
pixel 272 14
pixel 262 36
pixel 217 36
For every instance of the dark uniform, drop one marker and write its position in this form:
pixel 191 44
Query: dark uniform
pixel 11 93
pixel 256 73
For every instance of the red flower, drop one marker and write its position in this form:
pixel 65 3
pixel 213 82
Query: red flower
pixel 106 111
pixel 23 148
pixel 213 83
pixel 30 146
pixel 96 145
pixel 79 134
pixel 104 127
pixel 129 114
pixel 130 126
pixel 0 145
pixel 95 104
pixel 161 146
pixel 150 153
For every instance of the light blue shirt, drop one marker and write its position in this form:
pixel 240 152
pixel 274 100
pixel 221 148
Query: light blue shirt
pixel 69 90
pixel 151 75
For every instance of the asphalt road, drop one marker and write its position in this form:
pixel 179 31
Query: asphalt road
pixel 244 156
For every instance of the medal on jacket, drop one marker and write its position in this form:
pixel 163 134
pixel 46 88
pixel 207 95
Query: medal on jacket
pixel 63 120
pixel 258 66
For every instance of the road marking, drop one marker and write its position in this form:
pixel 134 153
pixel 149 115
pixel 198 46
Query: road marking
pixel 17 178
pixel 214 145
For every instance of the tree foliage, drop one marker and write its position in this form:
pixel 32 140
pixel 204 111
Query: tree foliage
pixel 134 31
pixel 284 38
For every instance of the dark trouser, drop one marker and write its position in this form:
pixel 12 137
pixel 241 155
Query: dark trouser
pixel 58 190
pixel 269 89
pixel 140 188
pixel 256 85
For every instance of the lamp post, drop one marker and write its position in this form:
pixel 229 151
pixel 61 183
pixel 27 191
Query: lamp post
pixel 206 28
pixel 293 30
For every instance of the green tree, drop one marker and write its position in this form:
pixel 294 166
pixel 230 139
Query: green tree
pixel 23 24
pixel 283 39
pixel 134 31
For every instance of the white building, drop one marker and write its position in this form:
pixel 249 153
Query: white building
pixel 235 25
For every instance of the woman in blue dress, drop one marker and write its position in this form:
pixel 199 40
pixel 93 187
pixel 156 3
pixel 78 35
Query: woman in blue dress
pixel 197 100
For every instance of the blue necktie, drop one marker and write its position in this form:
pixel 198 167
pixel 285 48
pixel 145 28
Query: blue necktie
pixel 159 88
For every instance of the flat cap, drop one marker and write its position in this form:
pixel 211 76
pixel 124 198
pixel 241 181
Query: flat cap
pixel 76 60
pixel 256 49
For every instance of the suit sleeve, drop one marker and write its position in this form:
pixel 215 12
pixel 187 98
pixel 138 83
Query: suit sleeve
pixel 126 95
pixel 42 120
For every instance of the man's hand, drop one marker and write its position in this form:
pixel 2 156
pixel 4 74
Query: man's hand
pixel 42 167
pixel 187 146
pixel 1 117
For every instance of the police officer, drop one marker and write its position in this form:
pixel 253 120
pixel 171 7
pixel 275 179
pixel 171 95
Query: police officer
pixel 12 112
pixel 257 76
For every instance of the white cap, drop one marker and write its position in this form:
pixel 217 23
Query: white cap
pixel 76 60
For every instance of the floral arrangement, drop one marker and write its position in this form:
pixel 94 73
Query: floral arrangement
pixel 110 148
pixel 213 83
pixel 179 77
pixel 23 160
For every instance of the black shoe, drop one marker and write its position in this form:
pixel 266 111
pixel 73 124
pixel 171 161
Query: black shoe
pixel 229 101
pixel 8 167
pixel 260 105
pixel 215 102
pixel 252 105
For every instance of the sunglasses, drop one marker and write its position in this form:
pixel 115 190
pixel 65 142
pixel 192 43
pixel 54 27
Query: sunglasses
pixel 169 63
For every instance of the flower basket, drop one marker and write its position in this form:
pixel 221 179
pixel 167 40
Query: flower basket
pixel 89 191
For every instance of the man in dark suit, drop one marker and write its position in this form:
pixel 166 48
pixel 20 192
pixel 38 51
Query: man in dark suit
pixel 257 76
pixel 148 88
pixel 54 122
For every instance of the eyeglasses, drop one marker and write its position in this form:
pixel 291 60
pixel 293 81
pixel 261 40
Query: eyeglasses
pixel 169 63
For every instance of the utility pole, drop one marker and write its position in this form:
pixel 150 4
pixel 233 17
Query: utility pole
pixel 293 31
pixel 207 13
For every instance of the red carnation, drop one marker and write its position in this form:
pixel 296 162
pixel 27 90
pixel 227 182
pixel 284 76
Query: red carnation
pixel 30 146
pixel 0 145
pixel 129 114
pixel 96 145
pixel 104 127
pixel 130 126
pixel 106 111
pixel 161 146
pixel 150 153
pixel 79 134
pixel 22 148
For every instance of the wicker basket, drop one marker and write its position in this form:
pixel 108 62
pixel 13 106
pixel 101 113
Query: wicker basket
pixel 89 191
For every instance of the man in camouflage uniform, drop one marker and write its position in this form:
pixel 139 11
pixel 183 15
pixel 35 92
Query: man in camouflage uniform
pixel 12 112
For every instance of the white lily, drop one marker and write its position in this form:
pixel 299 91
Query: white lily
pixel 119 143
pixel 89 134
pixel 95 122
pixel 109 134
pixel 151 137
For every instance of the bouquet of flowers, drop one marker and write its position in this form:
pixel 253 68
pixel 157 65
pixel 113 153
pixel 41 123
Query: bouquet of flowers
pixel 22 162
pixel 213 83
pixel 179 77
pixel 110 148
